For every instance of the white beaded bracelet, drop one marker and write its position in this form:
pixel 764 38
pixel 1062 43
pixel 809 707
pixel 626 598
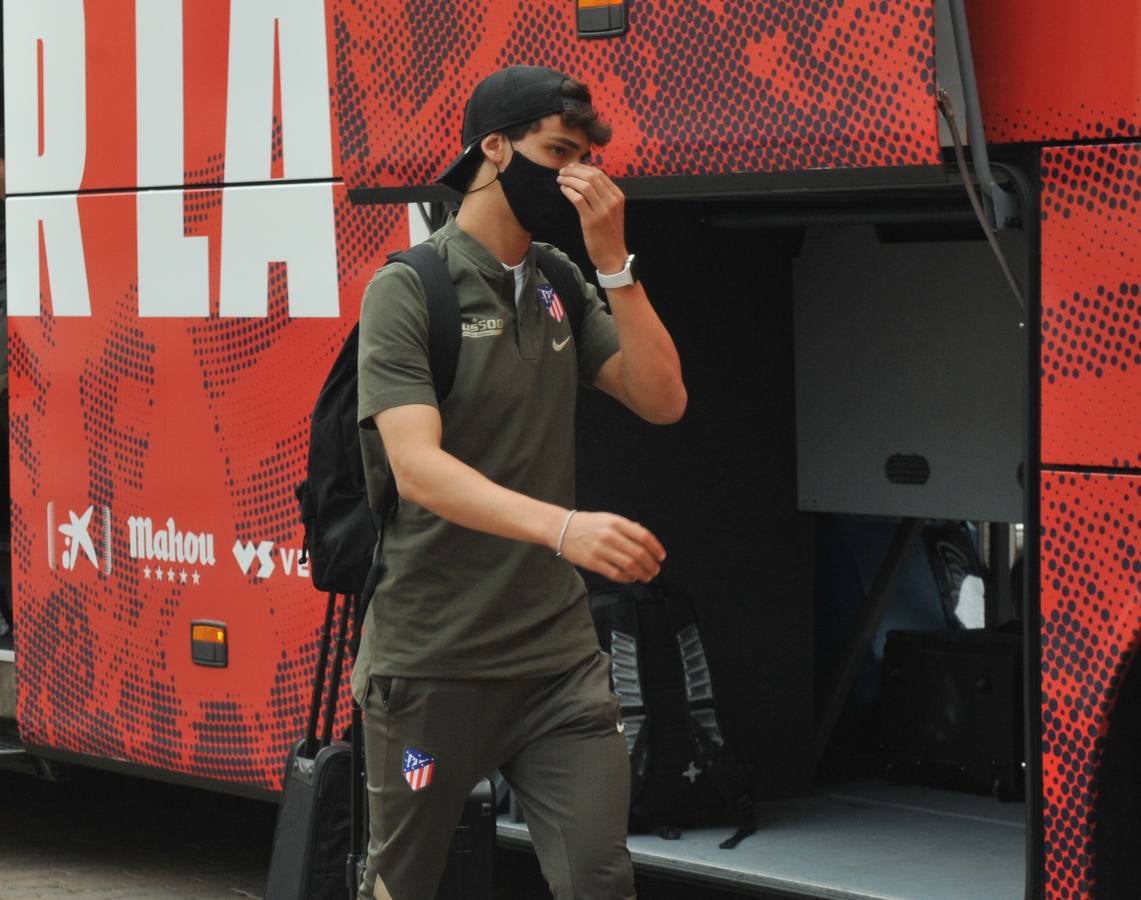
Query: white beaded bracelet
pixel 563 534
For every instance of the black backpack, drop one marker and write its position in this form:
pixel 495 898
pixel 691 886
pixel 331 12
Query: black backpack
pixel 682 772
pixel 341 529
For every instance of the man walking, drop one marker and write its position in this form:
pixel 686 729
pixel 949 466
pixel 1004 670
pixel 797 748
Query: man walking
pixel 478 650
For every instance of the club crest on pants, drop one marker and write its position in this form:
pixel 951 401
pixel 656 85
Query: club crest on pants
pixel 418 767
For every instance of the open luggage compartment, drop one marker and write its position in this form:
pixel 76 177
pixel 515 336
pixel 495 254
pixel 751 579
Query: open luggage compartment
pixel 847 356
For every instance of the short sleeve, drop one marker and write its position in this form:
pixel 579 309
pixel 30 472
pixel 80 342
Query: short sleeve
pixel 392 360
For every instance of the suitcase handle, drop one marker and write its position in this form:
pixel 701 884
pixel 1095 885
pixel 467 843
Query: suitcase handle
pixel 311 744
pixel 338 665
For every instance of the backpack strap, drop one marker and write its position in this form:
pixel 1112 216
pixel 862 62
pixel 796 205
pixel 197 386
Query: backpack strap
pixel 443 337
pixel 443 313
pixel 565 285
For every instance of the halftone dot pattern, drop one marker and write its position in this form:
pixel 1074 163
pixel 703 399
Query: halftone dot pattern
pixel 209 173
pixel 262 507
pixel 697 88
pixel 293 679
pixel 1091 373
pixel 26 373
pixel 28 384
pixel 1048 74
pixel 23 546
pixel 1091 305
pixel 1049 123
pixel 59 670
pixel 356 228
pixel 116 393
pixel 1089 335
pixel 276 158
pixel 1091 597
pixel 224 745
pixel 202 421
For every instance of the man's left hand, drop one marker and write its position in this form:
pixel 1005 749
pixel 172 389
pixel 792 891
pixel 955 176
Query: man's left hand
pixel 601 208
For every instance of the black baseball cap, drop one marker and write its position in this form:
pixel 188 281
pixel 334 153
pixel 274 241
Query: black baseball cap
pixel 508 97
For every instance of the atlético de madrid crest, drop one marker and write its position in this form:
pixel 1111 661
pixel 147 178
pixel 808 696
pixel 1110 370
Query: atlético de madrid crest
pixel 418 767
pixel 552 303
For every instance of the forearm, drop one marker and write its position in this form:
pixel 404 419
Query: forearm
pixel 650 369
pixel 434 479
pixel 453 490
pixel 610 545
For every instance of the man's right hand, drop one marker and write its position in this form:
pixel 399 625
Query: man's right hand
pixel 613 547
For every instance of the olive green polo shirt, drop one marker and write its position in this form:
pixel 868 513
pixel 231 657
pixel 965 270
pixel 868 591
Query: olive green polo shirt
pixel 458 603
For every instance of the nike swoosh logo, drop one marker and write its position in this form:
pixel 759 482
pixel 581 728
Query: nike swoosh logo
pixel 558 345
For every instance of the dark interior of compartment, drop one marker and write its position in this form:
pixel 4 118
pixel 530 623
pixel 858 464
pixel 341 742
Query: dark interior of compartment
pixel 719 488
pixel 776 589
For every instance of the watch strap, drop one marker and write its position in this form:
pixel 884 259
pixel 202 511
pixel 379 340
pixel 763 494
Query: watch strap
pixel 621 278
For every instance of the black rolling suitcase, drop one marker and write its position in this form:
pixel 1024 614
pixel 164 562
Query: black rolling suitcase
pixel 952 710
pixel 311 840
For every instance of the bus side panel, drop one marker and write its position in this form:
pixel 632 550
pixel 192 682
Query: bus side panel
pixel 694 88
pixel 1052 71
pixel 1091 375
pixel 155 453
pixel 1091 621
pixel 1091 306
pixel 108 94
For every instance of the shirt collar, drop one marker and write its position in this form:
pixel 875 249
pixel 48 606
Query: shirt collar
pixel 478 254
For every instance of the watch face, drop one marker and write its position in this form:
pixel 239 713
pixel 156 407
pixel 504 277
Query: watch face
pixel 634 272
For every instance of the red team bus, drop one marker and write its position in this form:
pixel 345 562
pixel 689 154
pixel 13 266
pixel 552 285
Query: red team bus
pixel 198 193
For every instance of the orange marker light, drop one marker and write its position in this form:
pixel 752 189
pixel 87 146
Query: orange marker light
pixel 208 644
pixel 602 18
pixel 208 634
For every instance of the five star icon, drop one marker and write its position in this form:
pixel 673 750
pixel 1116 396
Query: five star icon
pixel 169 575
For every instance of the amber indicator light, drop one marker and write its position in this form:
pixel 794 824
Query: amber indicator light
pixel 208 645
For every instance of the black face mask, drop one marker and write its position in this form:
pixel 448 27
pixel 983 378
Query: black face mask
pixel 533 193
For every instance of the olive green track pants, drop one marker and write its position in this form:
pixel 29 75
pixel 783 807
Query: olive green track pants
pixel 557 741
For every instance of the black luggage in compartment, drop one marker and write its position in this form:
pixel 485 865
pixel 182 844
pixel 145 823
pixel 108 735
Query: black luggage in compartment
pixel 952 710
pixel 467 875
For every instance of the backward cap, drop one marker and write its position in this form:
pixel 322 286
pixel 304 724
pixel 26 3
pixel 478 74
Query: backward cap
pixel 511 96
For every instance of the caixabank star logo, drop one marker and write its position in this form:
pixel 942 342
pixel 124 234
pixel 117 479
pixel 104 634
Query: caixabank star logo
pixel 79 536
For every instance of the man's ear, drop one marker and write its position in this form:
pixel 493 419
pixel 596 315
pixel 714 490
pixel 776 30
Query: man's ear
pixel 494 148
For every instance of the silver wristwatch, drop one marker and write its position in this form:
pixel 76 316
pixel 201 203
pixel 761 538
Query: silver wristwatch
pixel 627 275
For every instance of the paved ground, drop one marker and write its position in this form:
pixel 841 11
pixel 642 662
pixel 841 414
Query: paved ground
pixel 108 836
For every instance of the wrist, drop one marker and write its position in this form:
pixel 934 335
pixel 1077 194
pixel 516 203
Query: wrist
pixel 560 543
pixel 623 277
pixel 613 263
